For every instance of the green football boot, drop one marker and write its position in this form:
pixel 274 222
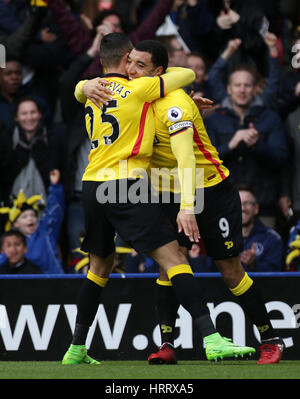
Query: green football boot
pixel 77 354
pixel 218 348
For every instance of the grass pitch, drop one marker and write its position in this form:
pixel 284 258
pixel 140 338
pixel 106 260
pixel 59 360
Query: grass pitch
pixel 118 370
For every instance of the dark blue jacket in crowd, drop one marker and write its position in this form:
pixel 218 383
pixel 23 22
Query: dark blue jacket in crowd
pixel 269 248
pixel 9 16
pixel 42 245
pixel 259 166
pixel 287 101
pixel 194 22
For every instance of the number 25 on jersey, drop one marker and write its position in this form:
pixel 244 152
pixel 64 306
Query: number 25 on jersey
pixel 105 118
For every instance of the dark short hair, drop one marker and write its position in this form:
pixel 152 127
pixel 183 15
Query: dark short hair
pixel 244 187
pixel 199 55
pixel 25 99
pixel 159 53
pixel 11 58
pixel 113 47
pixel 12 233
pixel 106 13
pixel 166 41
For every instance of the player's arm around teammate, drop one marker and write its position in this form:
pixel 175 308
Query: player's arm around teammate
pixel 96 90
pixel 182 147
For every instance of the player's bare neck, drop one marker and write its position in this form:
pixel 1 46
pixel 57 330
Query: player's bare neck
pixel 120 70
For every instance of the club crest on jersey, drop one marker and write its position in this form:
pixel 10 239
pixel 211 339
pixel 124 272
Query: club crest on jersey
pixel 174 114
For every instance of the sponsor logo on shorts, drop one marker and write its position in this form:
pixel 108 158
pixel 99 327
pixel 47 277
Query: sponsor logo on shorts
pixel 229 244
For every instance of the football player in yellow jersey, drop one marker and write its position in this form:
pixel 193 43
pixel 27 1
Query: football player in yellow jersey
pixel 135 222
pixel 181 140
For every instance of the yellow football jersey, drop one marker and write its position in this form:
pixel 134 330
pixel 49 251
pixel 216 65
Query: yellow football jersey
pixel 174 114
pixel 122 133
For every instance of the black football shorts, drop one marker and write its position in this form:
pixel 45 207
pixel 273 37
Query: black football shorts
pixel 219 223
pixel 142 225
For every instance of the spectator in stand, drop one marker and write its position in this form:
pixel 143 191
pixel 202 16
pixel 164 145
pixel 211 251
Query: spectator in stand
pixel 97 10
pixel 10 85
pixel 13 245
pixel 263 247
pixel 289 201
pixel 199 65
pixel 80 39
pixel 288 99
pixel 37 44
pixel 251 140
pixel 201 87
pixel 16 36
pixel 246 20
pixel 290 13
pixel 10 11
pixel 12 89
pixel 216 73
pixel 176 52
pixel 33 151
pixel 41 234
pixel 195 21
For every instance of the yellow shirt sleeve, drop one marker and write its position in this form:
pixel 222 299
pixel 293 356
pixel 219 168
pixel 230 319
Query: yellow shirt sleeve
pixel 80 97
pixel 177 77
pixel 174 78
pixel 182 148
pixel 174 121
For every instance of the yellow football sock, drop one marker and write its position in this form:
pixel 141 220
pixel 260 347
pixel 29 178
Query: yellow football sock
pixel 243 286
pixel 165 283
pixel 179 269
pixel 96 279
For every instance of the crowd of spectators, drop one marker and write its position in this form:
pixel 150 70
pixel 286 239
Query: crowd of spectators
pixel 246 57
